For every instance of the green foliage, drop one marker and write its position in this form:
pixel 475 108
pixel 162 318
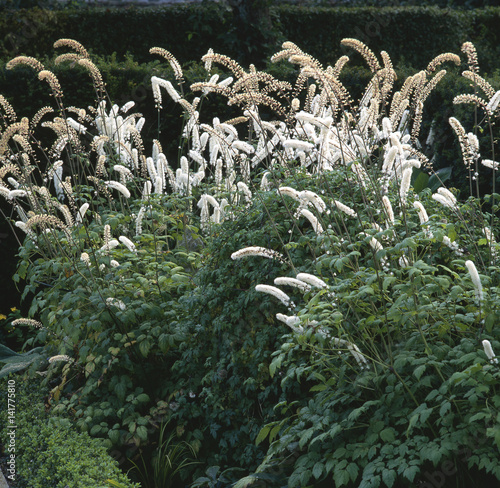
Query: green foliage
pixel 421 391
pixel 392 28
pixel 168 460
pixel 121 324
pixel 382 375
pixel 50 453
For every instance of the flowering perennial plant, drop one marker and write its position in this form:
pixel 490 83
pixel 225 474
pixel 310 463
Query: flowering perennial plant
pixel 372 267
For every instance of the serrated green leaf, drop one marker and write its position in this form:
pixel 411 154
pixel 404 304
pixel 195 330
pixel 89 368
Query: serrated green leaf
pixel 330 464
pixel 353 470
pixel 145 347
pixel 274 432
pixel 387 435
pixel 142 432
pixel 387 282
pixel 445 407
pixel 318 470
pixel 419 371
pixel 275 364
pixel 410 472
pixel 389 477
pixel 341 477
pixel 263 434
pixel 114 436
pixel 120 390
pixel 143 398
pixel 306 436
pixel 411 424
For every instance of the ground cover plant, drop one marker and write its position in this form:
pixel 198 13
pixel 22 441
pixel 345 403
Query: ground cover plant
pixel 297 300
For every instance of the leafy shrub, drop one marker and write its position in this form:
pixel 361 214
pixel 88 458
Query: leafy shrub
pixel 150 289
pixel 50 452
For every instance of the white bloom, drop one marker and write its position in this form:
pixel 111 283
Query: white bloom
pixel 447 194
pixel 389 158
pixel 226 81
pixel 312 280
pixel 243 146
pixel 312 198
pixel 127 106
pixel 386 127
pixel 85 258
pixel 405 184
pixel 422 214
pixel 22 225
pixel 489 352
pixel 125 173
pixel 344 208
pixel 128 243
pixel 138 221
pixel 474 144
pixel 4 191
pixel 109 245
pixel 476 281
pixel 81 129
pixel 493 103
pixel 81 213
pixel 314 221
pixel 14 182
pixel 354 350
pixel 114 264
pixel 388 209
pixel 301 285
pixel 257 251
pixel 245 190
pixel 208 59
pixel 443 200
pixel 118 186
pixel 376 246
pixel 196 156
pixel 291 192
pixel 116 303
pixel 276 292
pixel 296 144
pixel 490 163
pixel 146 191
pixel 452 245
pixel 292 321
pixel 404 262
pixel 156 83
pixel 264 183
pixel 61 357
pixel 16 194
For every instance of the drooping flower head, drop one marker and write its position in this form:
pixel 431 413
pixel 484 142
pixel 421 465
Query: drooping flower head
pixel 488 350
pixel 476 281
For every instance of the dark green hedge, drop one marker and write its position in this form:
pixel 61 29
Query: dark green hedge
pixel 412 35
pixel 187 31
pixel 49 453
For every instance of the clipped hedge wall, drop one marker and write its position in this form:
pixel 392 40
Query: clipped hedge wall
pixel 49 452
pixel 184 29
pixel 412 35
